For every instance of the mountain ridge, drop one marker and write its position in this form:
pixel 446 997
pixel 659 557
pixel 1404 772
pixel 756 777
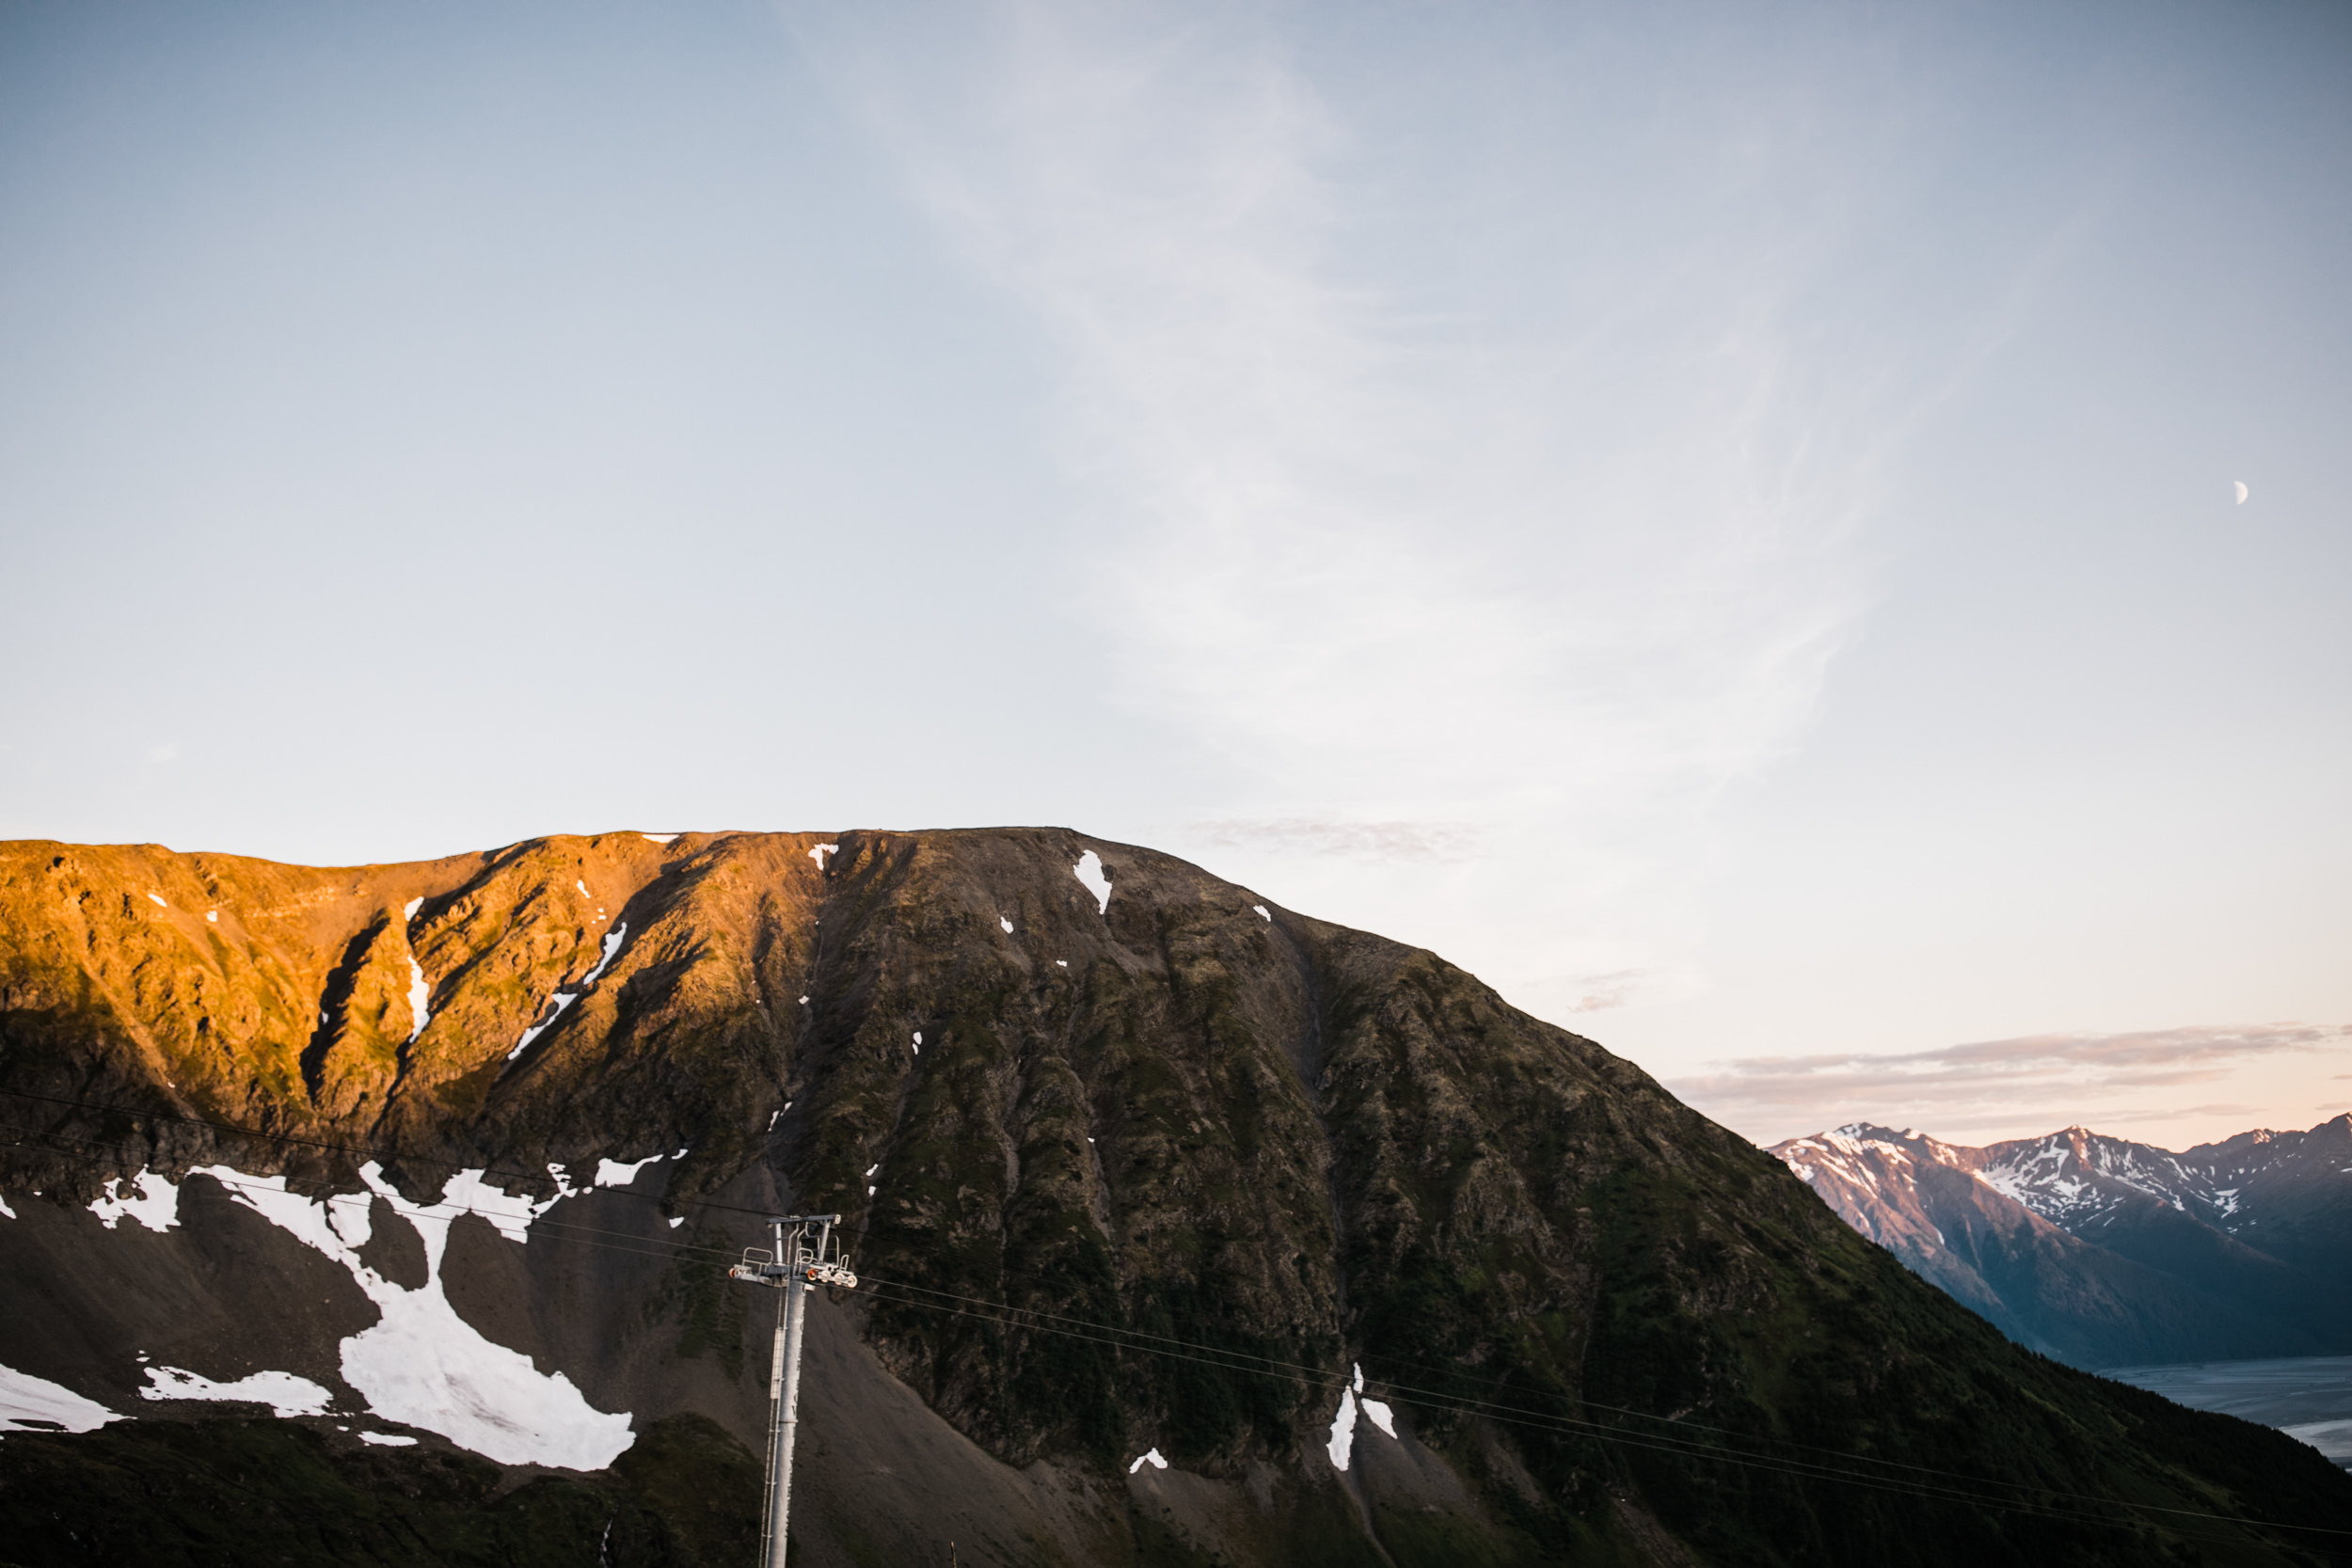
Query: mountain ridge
pixel 1237 1138
pixel 2108 1253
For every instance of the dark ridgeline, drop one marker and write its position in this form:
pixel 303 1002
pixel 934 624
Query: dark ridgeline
pixel 1609 1330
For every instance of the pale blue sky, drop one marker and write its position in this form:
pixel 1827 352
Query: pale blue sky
pixel 1718 518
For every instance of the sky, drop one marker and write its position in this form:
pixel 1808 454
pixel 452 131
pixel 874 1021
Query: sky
pixel 1722 520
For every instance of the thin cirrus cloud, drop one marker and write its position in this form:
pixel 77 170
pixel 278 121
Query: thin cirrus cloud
pixel 1378 841
pixel 1405 507
pixel 1601 993
pixel 2090 1078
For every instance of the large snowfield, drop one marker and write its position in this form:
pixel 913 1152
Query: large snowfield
pixel 420 1364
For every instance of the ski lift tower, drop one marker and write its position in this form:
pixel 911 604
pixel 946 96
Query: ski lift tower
pixel 796 1262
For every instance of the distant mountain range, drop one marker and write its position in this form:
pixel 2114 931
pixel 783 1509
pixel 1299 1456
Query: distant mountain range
pixel 2101 1252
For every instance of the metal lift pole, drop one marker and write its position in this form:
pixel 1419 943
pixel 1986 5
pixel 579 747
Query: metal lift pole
pixel 793 1267
pixel 785 1391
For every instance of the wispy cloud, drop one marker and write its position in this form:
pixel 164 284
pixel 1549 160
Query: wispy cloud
pixel 1600 992
pixel 1560 548
pixel 1410 841
pixel 1956 1089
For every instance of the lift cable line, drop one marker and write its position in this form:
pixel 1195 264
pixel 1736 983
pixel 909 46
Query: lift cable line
pixel 1119 1338
pixel 1464 1403
pixel 1331 1382
pixel 1242 1361
pixel 386 1156
pixel 1189 1351
pixel 1115 1336
pixel 1694 1451
pixel 321 1190
pixel 1234 1360
pixel 396 1155
pixel 1661 1443
pixel 699 1202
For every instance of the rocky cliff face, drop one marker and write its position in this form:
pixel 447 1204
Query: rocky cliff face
pixel 2104 1253
pixel 1199 1230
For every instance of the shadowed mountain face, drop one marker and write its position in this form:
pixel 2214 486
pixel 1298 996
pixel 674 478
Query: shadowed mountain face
pixel 1149 1169
pixel 2104 1253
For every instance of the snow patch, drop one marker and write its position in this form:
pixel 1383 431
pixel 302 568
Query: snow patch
pixel 284 1393
pixel 159 900
pixel 420 999
pixel 2003 1181
pixel 212 915
pixel 352 1221
pixel 821 850
pixel 918 1043
pixel 387 1439
pixel 4 1210
pixel 657 838
pixel 1261 914
pixel 675 1223
pixel 408 911
pixel 1064 962
pixel 29 1404
pixel 612 1173
pixel 1089 874
pixel 1342 1441
pixel 159 1211
pixel 583 888
pixel 612 944
pixel 560 1001
pixel 510 1215
pixel 1152 1459
pixel 311 1222
pixel 1006 923
pixel 425 1367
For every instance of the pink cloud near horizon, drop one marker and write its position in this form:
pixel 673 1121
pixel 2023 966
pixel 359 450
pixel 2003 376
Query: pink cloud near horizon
pixel 2079 1077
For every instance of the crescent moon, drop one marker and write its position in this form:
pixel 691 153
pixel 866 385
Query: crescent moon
pixel 2241 492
